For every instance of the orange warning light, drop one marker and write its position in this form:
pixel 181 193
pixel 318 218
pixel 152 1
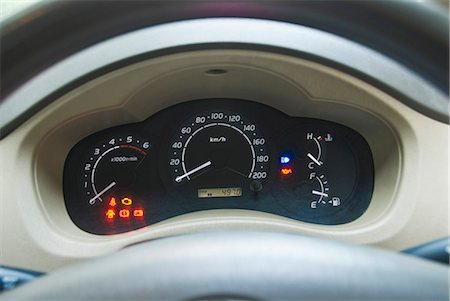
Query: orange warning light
pixel 138 212
pixel 127 201
pixel 124 213
pixel 112 202
pixel 110 214
pixel 286 171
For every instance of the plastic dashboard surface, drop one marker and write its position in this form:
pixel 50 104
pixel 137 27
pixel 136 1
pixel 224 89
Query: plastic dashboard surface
pixel 217 154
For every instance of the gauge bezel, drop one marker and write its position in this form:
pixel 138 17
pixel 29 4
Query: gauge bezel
pixel 167 201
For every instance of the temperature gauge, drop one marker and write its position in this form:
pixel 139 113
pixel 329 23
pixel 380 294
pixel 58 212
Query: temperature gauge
pixel 320 190
pixel 314 174
pixel 317 148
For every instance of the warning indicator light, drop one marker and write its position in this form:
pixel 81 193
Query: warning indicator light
pixel 124 213
pixel 127 201
pixel 138 212
pixel 286 171
pixel 112 202
pixel 110 214
pixel 285 159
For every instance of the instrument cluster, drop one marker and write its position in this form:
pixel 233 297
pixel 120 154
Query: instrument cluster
pixel 217 154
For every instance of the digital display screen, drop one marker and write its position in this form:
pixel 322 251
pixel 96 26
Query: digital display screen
pixel 219 192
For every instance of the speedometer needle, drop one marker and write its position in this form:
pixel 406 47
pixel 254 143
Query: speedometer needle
pixel 92 201
pixel 204 165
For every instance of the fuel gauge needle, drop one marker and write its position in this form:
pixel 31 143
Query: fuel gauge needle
pixel 92 201
pixel 204 165
pixel 319 193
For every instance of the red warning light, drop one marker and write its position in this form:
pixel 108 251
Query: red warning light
pixel 110 214
pixel 112 202
pixel 124 213
pixel 286 171
pixel 138 212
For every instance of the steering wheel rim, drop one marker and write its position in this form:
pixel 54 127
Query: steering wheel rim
pixel 245 266
pixel 420 47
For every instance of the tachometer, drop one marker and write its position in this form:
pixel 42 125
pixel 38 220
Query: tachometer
pixel 112 167
pixel 218 154
pixel 108 183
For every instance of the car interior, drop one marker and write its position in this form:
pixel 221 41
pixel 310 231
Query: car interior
pixel 224 150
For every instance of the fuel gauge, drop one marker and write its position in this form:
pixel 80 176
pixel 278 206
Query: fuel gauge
pixel 319 189
pixel 320 192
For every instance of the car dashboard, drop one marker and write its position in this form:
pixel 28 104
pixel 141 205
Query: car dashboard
pixel 218 138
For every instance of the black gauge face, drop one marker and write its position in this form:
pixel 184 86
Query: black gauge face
pixel 114 169
pixel 324 183
pixel 217 151
pixel 217 154
pixel 109 186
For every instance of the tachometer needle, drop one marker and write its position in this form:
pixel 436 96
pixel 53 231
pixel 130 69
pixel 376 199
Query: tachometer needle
pixel 314 159
pixel 204 165
pixel 92 201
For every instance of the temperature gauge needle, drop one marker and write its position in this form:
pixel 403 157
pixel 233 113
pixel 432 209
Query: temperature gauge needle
pixel 92 201
pixel 314 159
pixel 204 165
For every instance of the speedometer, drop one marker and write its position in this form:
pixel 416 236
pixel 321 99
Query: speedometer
pixel 218 154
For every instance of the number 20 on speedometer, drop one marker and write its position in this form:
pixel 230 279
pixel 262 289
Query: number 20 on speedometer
pixel 218 150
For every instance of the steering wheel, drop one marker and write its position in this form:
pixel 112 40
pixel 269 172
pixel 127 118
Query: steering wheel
pixel 243 265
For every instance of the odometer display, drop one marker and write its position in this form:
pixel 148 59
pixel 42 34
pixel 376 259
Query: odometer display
pixel 219 192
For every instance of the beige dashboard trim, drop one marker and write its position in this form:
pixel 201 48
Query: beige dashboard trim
pixel 410 203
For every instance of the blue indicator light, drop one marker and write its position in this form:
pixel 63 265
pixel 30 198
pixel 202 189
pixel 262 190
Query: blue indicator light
pixel 285 160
